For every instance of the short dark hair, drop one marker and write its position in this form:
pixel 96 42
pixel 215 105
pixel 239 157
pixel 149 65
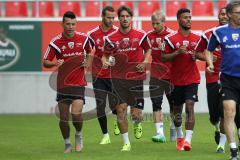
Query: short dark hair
pixel 124 8
pixel 231 5
pixel 181 11
pixel 107 8
pixel 69 14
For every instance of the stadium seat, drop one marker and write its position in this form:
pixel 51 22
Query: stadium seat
pixel 202 8
pixel 16 9
pixel 117 4
pixel 173 6
pixel 0 9
pixel 93 8
pixel 221 4
pixel 46 9
pixel 146 8
pixel 69 6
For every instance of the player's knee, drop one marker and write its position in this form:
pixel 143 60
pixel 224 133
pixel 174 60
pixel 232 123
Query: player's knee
pixel 177 119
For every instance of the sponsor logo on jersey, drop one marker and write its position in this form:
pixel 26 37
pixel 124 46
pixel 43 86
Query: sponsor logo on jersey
pixel 9 53
pixel 63 47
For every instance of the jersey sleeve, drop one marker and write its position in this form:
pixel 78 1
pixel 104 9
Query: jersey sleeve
pixel 50 53
pixel 202 44
pixel 168 46
pixel 109 46
pixel 213 42
pixel 88 47
pixel 146 45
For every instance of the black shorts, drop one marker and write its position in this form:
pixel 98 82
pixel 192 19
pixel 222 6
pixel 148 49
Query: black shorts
pixel 230 87
pixel 70 93
pixel 182 93
pixel 102 88
pixel 157 88
pixel 129 91
pixel 214 100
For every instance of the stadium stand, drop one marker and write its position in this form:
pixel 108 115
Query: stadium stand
pixel 146 8
pixel 16 9
pixel 69 6
pixel 45 9
pixel 116 4
pixel 221 4
pixel 93 8
pixel 173 6
pixel 202 8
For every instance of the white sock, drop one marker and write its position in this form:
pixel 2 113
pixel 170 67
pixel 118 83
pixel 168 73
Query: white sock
pixel 67 140
pixel 106 135
pixel 233 145
pixel 222 140
pixel 159 128
pixel 78 133
pixel 172 126
pixel 217 126
pixel 125 138
pixel 179 132
pixel 188 137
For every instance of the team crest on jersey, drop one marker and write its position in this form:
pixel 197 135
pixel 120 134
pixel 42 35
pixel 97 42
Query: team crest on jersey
pixel 135 40
pixel 158 40
pixel 63 47
pixel 235 36
pixel 225 39
pixel 186 43
pixel 71 45
pixel 125 40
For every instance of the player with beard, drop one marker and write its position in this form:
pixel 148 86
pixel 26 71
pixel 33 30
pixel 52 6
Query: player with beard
pixel 131 49
pixel 185 76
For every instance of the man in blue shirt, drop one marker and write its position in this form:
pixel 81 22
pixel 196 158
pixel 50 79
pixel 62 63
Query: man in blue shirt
pixel 228 37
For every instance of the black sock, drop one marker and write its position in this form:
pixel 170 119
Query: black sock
pixel 103 124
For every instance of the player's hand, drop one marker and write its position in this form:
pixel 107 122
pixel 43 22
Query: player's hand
pixel 210 69
pixel 141 67
pixel 105 63
pixel 60 62
pixel 182 50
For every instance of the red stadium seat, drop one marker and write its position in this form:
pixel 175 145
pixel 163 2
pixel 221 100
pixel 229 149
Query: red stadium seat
pixel 202 8
pixel 69 6
pixel 221 4
pixel 16 9
pixel 173 6
pixel 46 9
pixel 146 8
pixel 92 8
pixel 0 9
pixel 117 4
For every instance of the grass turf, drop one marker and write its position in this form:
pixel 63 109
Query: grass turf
pixel 37 137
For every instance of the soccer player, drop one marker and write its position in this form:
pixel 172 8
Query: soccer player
pixel 126 45
pixel 101 77
pixel 69 48
pixel 212 85
pixel 160 81
pixel 185 76
pixel 227 36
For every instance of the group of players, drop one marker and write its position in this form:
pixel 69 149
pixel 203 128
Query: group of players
pixel 118 59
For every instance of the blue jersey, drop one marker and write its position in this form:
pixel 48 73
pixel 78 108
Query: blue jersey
pixel 229 40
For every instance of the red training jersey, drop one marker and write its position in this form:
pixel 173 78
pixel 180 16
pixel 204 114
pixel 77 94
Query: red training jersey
pixel 201 46
pixel 159 69
pixel 184 69
pixel 96 37
pixel 72 51
pixel 128 50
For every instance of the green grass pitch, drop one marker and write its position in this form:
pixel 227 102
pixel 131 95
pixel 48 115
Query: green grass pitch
pixel 37 137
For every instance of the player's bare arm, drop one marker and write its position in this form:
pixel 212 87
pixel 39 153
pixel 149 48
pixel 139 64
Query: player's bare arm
pixel 209 60
pixel 141 67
